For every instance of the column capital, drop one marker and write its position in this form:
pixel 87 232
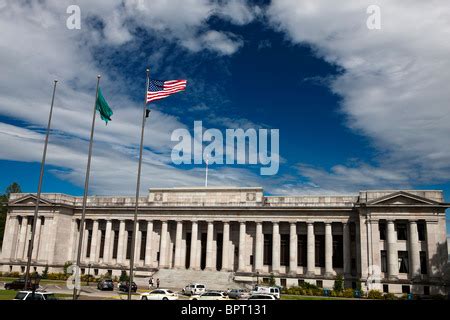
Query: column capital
pixel 310 223
pixel 414 221
pixel 242 222
pixel 390 221
pixel 258 222
pixel 327 223
pixel 275 223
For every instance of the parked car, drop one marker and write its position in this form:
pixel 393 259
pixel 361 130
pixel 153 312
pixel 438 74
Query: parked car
pixel 28 295
pixel 18 284
pixel 160 294
pixel 211 295
pixel 124 285
pixel 194 289
pixel 275 291
pixel 238 294
pixel 261 296
pixel 105 284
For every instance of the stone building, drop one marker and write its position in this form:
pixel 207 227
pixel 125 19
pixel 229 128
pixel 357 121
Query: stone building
pixel 394 241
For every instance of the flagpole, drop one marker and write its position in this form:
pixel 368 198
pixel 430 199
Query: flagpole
pixel 138 184
pixel 86 188
pixel 38 195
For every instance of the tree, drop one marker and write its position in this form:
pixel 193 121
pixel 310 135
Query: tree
pixel 339 284
pixel 12 188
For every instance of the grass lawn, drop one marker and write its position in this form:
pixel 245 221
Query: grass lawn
pixel 298 297
pixel 10 294
pixel 45 281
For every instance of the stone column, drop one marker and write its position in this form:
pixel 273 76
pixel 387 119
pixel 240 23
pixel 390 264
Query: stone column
pixel 328 250
pixel 392 251
pixel 414 250
pixel 276 248
pixel 93 257
pixel 311 246
pixel 432 244
pixel 10 238
pixel 241 262
pixel 178 241
pixel 149 244
pixel 138 243
pixel 37 237
pixel 107 250
pixel 226 247
pixel 293 248
pixel 22 238
pixel 121 250
pixel 163 246
pixel 209 246
pixel 259 247
pixel 347 249
pixel 193 254
pixel 85 241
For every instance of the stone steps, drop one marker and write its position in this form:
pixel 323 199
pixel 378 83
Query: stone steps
pixel 178 279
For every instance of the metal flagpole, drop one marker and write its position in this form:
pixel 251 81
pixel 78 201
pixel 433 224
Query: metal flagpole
pixel 138 184
pixel 86 187
pixel 38 195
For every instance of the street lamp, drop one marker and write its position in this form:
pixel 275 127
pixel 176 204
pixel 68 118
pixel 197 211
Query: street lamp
pixel 89 273
pixel 257 278
pixel 35 279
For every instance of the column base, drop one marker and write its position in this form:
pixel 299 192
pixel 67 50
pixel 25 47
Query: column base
pixel 393 278
pixel 275 272
pixel 329 274
pixel 310 274
pixel 292 273
pixel 210 269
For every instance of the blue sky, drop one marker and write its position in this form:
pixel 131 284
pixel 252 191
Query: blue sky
pixel 356 108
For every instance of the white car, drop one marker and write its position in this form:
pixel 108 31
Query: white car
pixel 211 295
pixel 159 294
pixel 275 291
pixel 260 296
pixel 194 289
pixel 28 295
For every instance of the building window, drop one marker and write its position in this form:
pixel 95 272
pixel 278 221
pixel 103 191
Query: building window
pixel 83 270
pixel 403 264
pixel 129 239
pixel 251 260
pixel 102 243
pixel 402 233
pixel 283 283
pixel 302 254
pixel 382 227
pixel 353 285
pixel 338 251
pixel 406 289
pixel 383 254
pixel 89 242
pixel 426 290
pixel 319 283
pixel 300 282
pixel 115 244
pixel 96 272
pixel 284 254
pixel 385 288
pixel 267 249
pixel 352 228
pixel 320 250
pixel 421 229
pixel 143 245
pixel 423 262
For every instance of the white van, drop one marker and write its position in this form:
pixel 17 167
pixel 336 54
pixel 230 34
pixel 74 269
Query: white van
pixel 275 291
pixel 194 289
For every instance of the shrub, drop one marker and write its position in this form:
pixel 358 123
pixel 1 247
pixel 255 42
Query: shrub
pixel 347 293
pixel 271 280
pixel 339 284
pixel 66 266
pixel 45 273
pixel 389 296
pixel 375 294
pixel 124 276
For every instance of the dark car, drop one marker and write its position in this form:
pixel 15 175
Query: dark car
pixel 123 286
pixel 18 284
pixel 105 284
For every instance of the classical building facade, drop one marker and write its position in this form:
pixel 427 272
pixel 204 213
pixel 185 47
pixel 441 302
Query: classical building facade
pixel 394 241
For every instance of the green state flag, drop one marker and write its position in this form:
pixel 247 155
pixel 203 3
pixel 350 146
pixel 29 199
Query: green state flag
pixel 102 106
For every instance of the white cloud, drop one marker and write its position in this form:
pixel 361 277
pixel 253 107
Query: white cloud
pixel 391 85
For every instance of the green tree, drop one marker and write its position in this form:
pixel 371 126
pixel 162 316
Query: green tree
pixel 124 276
pixel 12 188
pixel 339 284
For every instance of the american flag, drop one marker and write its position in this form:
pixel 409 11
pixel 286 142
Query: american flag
pixel 158 89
